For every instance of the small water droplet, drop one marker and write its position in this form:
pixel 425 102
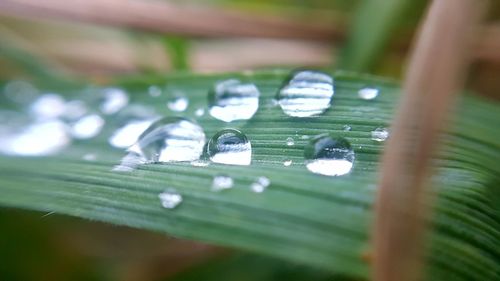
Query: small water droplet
pixel 87 127
pixel 368 93
pixel 178 104
pixel 230 146
pixel 37 139
pixel 290 141
pixel 233 100
pixel 347 128
pixel 221 182
pixel 20 91
pixel 154 91
pixel 305 137
pixel 287 163
pixel 329 155
pixel 306 93
pixel 170 198
pixel 170 139
pixel 380 134
pixel 89 157
pixel 260 184
pixel 113 100
pixel 129 134
pixel 199 112
pixel 48 106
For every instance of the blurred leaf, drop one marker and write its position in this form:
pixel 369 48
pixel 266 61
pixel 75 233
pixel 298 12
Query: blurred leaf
pixel 373 28
pixel 178 50
pixel 314 220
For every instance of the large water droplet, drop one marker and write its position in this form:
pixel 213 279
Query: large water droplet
pixel 232 100
pixel 113 99
pixel 230 146
pixel 170 139
pixel 368 93
pixel 306 93
pixel 170 198
pixel 328 155
pixel 380 134
pixel 260 184
pixel 221 182
pixel 87 127
pixel 38 139
pixel 178 103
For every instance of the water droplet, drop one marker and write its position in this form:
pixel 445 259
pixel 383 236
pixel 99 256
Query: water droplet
pixel 221 182
pixel 38 139
pixel 178 104
pixel 74 110
pixel 287 163
pixel 380 134
pixel 304 137
pixel 306 93
pixel 48 106
pixel 20 91
pixel 170 198
pixel 347 128
pixel 129 134
pixel 328 155
pixel 260 184
pixel 199 112
pixel 368 93
pixel 170 139
pixel 129 162
pixel 230 146
pixel 113 100
pixel 87 127
pixel 290 141
pixel 89 157
pixel 154 91
pixel 232 100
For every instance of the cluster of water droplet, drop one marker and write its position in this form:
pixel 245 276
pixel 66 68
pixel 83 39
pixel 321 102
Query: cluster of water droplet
pixel 54 122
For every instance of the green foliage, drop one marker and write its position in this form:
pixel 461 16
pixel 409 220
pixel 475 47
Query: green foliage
pixel 314 220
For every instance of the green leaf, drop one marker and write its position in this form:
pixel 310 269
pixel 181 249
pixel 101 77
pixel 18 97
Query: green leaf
pixel 314 220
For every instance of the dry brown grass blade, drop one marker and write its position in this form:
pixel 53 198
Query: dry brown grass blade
pixel 159 16
pixel 435 73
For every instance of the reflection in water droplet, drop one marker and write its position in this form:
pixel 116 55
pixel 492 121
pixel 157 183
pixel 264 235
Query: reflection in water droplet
pixel 221 182
pixel 347 128
pixel 170 139
pixel 380 134
pixel 38 139
pixel 170 198
pixel 129 134
pixel 48 106
pixel 199 112
pixel 154 91
pixel 114 99
pixel 230 146
pixel 328 155
pixel 306 93
pixel 178 104
pixel 89 157
pixel 287 163
pixel 290 141
pixel 232 100
pixel 260 184
pixel 368 93
pixel 87 127
pixel 129 162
